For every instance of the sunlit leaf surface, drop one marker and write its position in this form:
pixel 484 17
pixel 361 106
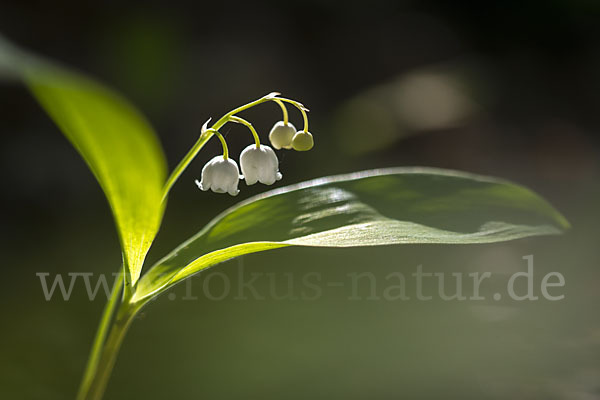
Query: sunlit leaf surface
pixel 378 207
pixel 113 138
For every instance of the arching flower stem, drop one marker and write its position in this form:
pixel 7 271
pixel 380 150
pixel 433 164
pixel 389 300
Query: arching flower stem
pixel 299 106
pixel 283 110
pixel 242 121
pixel 223 143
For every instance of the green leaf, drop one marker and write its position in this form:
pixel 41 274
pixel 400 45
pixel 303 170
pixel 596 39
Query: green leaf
pixel 378 207
pixel 114 139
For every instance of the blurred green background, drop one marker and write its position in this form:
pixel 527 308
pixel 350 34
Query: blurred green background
pixel 510 89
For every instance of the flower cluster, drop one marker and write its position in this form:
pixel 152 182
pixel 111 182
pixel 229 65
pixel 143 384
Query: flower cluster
pixel 258 162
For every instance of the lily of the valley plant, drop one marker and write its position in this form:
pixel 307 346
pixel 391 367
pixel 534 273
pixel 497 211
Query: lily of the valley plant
pixel 369 208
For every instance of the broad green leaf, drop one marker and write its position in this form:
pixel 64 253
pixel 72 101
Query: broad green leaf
pixel 378 207
pixel 114 139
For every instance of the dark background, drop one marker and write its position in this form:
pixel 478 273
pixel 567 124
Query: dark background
pixel 510 89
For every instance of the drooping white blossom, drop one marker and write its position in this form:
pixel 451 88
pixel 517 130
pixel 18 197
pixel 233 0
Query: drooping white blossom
pixel 281 135
pixel 221 176
pixel 259 164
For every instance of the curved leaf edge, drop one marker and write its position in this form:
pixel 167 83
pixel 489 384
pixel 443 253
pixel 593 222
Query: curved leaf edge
pixel 216 257
pixel 564 223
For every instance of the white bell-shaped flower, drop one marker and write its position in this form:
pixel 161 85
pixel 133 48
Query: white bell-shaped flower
pixel 259 164
pixel 221 176
pixel 281 135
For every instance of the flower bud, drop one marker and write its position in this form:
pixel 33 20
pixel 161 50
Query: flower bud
pixel 302 141
pixel 221 176
pixel 281 135
pixel 259 164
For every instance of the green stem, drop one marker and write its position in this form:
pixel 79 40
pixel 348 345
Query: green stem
pixel 94 385
pixel 107 314
pixel 225 118
pixel 242 121
pixel 184 163
pixel 223 144
pixel 108 339
pixel 283 110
